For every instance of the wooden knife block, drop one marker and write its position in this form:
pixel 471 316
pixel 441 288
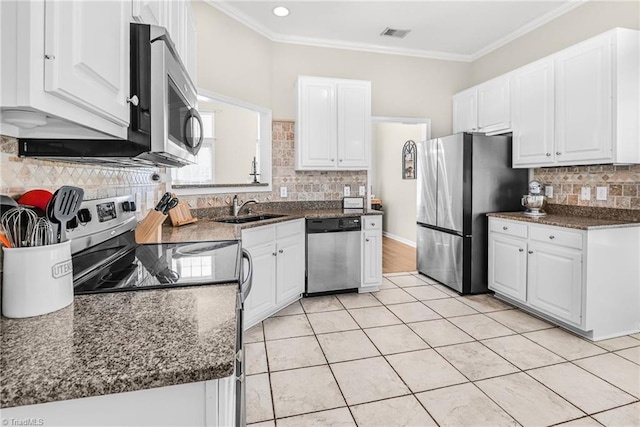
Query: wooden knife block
pixel 181 215
pixel 149 230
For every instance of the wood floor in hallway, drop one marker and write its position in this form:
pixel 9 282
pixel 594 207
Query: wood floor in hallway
pixel 397 257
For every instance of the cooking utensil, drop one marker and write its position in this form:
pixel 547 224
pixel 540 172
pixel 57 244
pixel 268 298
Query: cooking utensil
pixel 7 203
pixel 163 202
pixel 18 225
pixel 63 206
pixel 42 233
pixel 4 241
pixel 37 198
pixel 170 205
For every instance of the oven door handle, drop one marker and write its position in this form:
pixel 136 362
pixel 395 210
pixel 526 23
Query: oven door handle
pixel 247 283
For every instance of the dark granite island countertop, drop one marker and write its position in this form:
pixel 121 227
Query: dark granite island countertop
pixel 119 342
pixel 568 221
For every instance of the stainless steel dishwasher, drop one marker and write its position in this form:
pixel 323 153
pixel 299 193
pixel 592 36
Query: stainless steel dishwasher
pixel 333 255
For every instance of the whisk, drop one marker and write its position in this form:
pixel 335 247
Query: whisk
pixel 18 225
pixel 42 233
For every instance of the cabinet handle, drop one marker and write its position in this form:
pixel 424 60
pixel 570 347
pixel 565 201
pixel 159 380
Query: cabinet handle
pixel 505 227
pixel 333 160
pixel 373 224
pixel 558 153
pixel 281 251
pixel 49 56
pixel 341 160
pixel 552 237
pixel 273 253
pixel 366 240
pixel 548 154
pixel 530 252
pixel 520 250
pixel 134 100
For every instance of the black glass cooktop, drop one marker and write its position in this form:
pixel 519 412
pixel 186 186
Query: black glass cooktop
pixel 120 264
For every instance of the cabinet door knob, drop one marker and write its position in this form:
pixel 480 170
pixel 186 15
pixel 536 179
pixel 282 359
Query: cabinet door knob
pixel 366 240
pixel 134 100
pixel 552 237
pixel 49 56
pixel 558 153
pixel 281 251
pixel 373 224
pixel 530 252
pixel 505 227
pixel 520 250
pixel 340 159
pixel 548 154
pixel 333 160
pixel 273 253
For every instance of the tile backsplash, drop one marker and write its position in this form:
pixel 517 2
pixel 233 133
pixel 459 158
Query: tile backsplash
pixel 622 183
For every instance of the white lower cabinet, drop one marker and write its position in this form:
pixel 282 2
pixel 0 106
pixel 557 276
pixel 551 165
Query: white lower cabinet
pixel 371 252
pixel 584 280
pixel 278 253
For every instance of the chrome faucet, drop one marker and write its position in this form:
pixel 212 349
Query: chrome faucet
pixel 237 208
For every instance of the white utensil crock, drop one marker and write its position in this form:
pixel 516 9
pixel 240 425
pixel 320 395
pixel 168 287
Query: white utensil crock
pixel 37 280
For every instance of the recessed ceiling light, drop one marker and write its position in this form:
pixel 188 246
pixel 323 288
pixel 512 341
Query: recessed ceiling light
pixel 280 11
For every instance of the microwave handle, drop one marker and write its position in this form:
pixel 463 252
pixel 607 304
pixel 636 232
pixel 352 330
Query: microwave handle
pixel 193 114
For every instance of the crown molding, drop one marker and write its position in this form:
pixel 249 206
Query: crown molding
pixel 252 24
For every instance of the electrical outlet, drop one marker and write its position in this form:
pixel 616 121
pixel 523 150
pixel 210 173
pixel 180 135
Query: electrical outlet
pixel 150 202
pixel 362 190
pixel 283 192
pixel 138 200
pixel 601 193
pixel 586 193
pixel 347 191
pixel 548 191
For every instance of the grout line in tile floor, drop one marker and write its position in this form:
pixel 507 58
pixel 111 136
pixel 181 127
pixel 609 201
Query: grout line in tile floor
pixel 474 340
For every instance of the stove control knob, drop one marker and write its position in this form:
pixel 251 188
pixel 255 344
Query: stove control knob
pixel 129 206
pixel 72 224
pixel 132 206
pixel 84 215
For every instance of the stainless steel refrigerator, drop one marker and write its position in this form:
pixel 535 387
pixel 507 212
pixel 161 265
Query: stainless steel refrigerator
pixel 462 177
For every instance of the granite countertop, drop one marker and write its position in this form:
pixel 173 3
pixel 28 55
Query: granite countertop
pixel 119 342
pixel 568 221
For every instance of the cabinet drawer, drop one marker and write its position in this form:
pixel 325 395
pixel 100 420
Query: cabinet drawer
pixel 372 222
pixel 258 236
pixel 555 236
pixel 510 228
pixel 289 228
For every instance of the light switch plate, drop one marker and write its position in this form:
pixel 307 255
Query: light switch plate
pixel 283 192
pixel 548 191
pixel 362 190
pixel 586 193
pixel 601 193
pixel 347 191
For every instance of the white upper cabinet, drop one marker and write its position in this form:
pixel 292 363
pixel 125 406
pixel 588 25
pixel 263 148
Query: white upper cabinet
pixel 532 114
pixel 152 12
pixel 465 111
pixel 333 126
pixel 494 113
pixel 191 45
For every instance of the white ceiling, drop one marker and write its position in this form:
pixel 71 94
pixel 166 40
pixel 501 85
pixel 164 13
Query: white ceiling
pixel 455 30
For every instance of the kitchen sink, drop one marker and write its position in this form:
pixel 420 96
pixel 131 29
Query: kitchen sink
pixel 246 219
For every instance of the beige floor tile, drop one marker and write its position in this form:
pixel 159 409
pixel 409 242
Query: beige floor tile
pixel 255 358
pixel 619 343
pixel 393 296
pixel 615 370
pixel 481 327
pixel 627 416
pixel 564 344
pixel 519 321
pixel 425 370
pixel 414 312
pixel 636 336
pixel 632 354
pixel 293 308
pixel 403 411
pixel 440 332
pixel 464 405
pixel 450 307
pixel 485 303
pixel 372 317
pixel 584 390
pixel 270 423
pixel 253 334
pixel 408 280
pixel 332 321
pixel 523 353
pixel 356 300
pixel 259 406
pixel 425 293
pixel 447 290
pixel 425 278
pixel 387 284
pixel 476 361
pixel 528 401
pixel 395 339
pixel 320 304
pixel 581 422
pixel 304 390
pixel 349 345
pixel 367 380
pixel 340 417
pixel 401 273
pixel 292 353
pixel 276 328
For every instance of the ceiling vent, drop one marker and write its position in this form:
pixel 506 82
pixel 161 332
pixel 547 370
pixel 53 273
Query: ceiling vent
pixel 392 32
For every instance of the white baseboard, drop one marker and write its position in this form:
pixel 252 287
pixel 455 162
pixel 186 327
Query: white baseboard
pixel 399 239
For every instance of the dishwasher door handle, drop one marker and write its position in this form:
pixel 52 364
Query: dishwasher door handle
pixel 247 283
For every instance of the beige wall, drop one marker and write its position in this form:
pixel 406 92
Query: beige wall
pixel 590 19
pixel 398 195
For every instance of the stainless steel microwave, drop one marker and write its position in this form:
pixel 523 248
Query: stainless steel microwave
pixel 165 128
